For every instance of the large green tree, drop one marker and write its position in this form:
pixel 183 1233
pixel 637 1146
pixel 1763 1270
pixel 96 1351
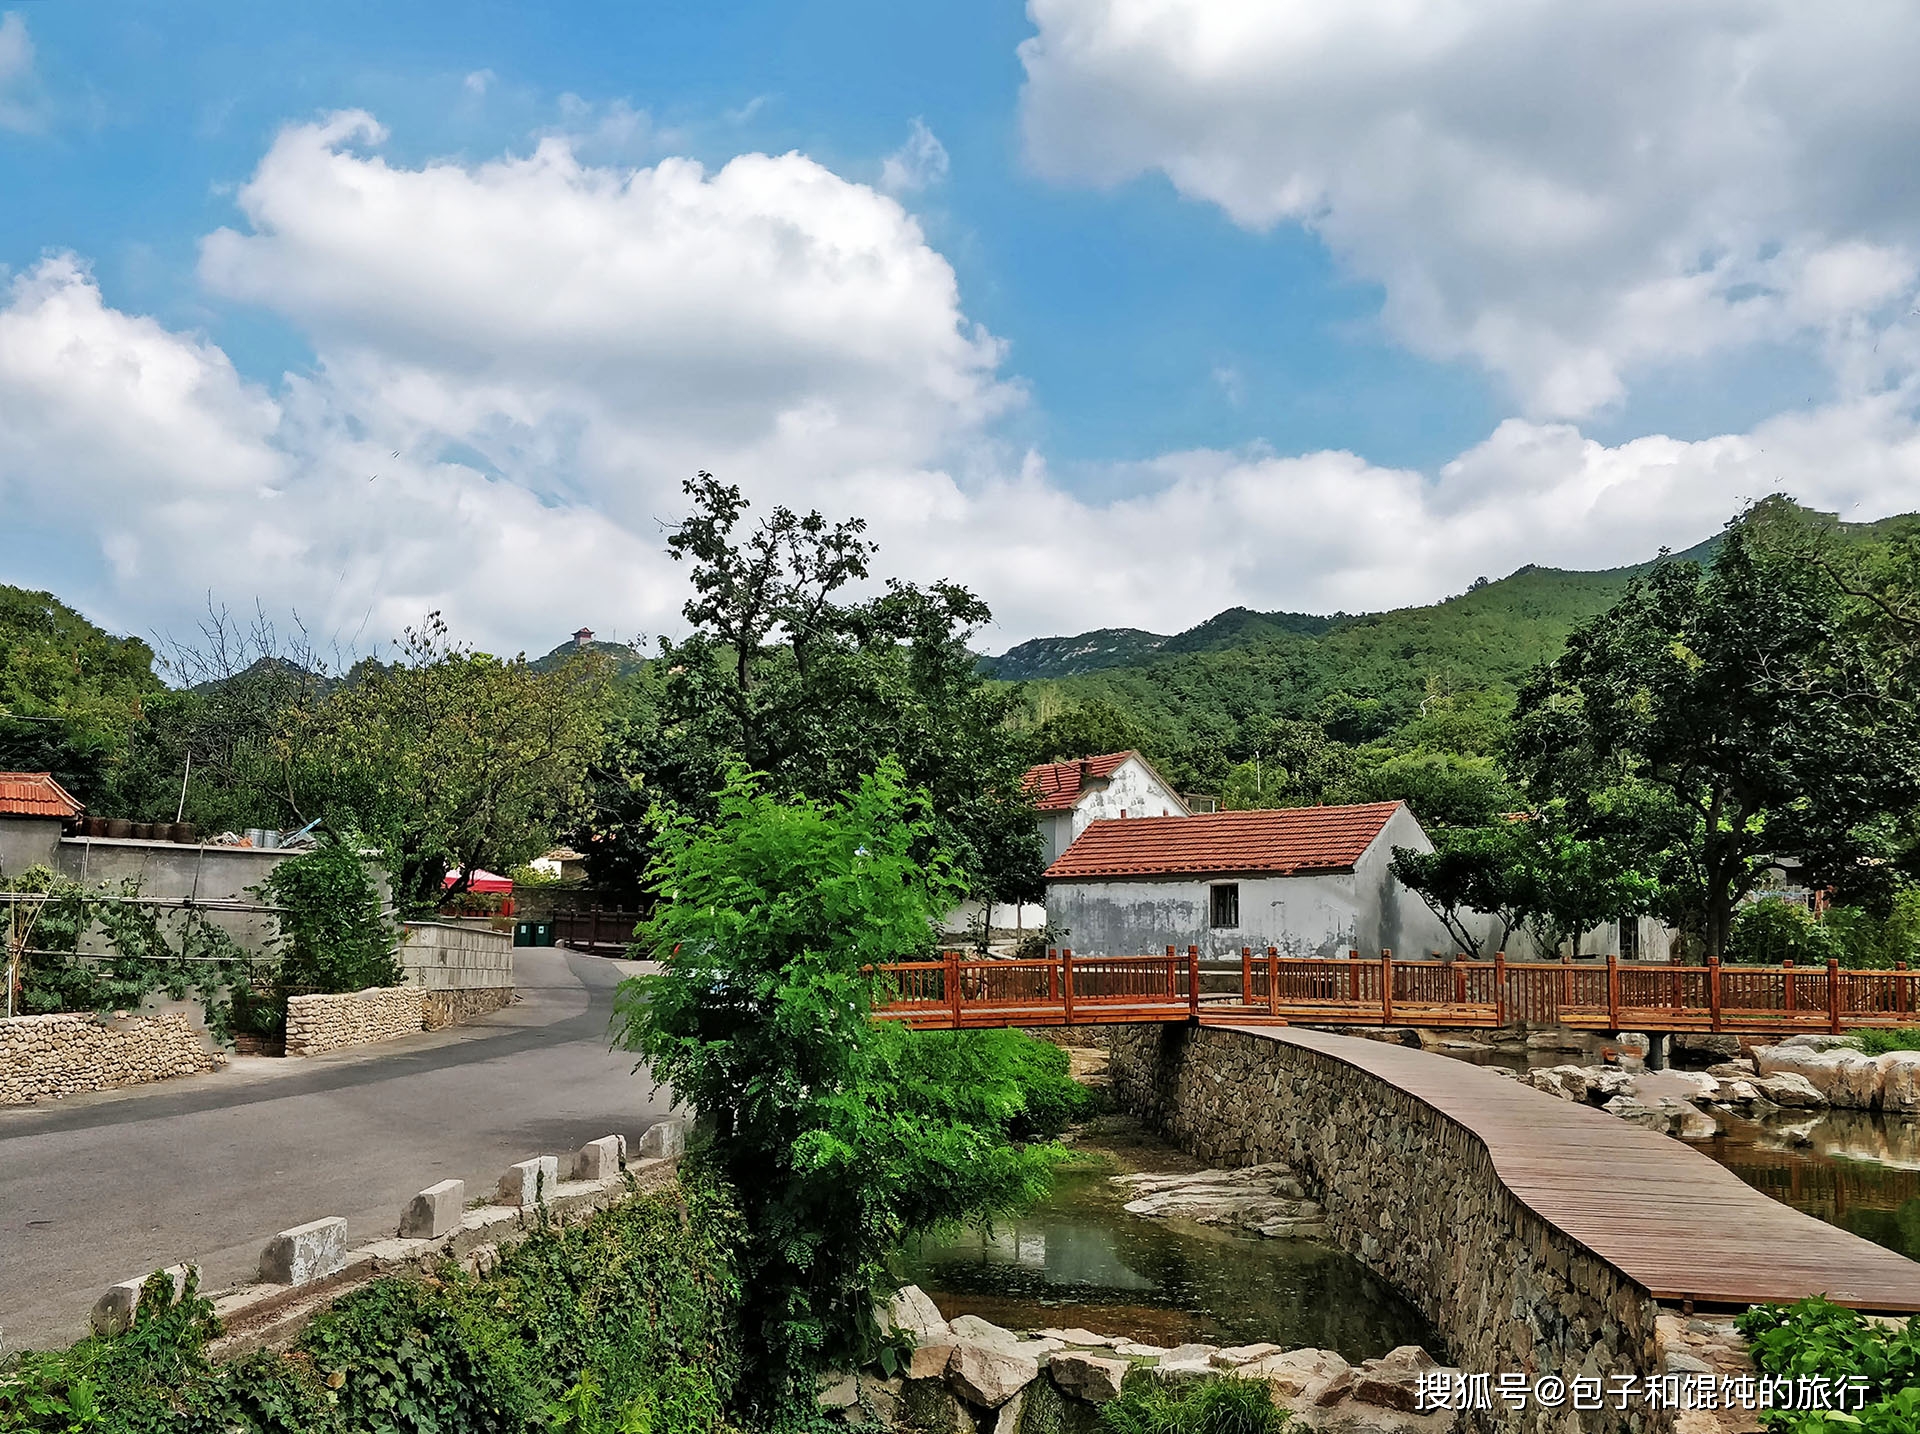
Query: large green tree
pixel 1721 718
pixel 839 1136
pixel 781 672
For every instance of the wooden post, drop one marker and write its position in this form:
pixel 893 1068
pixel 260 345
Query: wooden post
pixel 1901 1000
pixel 1353 976
pixel 1500 987
pixel 1273 980
pixel 1613 992
pixel 1386 986
pixel 1566 981
pixel 1193 982
pixel 1713 992
pixel 1066 985
pixel 1786 998
pixel 1246 975
pixel 1833 994
pixel 1173 981
pixel 1053 977
pixel 953 987
pixel 1459 981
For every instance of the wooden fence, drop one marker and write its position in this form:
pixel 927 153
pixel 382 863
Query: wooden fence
pixel 1268 988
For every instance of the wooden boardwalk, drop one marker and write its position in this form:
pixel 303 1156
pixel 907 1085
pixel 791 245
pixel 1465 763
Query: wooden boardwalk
pixel 1666 1216
pixel 1266 988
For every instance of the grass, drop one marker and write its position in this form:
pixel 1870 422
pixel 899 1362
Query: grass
pixel 1214 1406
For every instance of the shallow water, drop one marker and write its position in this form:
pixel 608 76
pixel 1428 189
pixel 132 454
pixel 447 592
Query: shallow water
pixel 1856 1169
pixel 1082 1260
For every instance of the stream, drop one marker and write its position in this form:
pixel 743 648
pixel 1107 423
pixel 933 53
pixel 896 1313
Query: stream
pixel 1080 1259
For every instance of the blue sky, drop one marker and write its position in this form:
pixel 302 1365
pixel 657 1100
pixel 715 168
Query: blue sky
pixel 1174 305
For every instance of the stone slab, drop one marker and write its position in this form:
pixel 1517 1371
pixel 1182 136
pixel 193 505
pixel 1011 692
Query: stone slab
pixel 305 1253
pixel 435 1211
pixel 529 1182
pixel 600 1159
pixel 664 1140
pixel 113 1311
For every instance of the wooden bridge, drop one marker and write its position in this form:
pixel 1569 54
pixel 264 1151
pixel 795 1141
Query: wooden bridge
pixel 1267 988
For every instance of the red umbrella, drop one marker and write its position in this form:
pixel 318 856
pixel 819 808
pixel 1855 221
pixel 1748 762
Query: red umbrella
pixel 483 881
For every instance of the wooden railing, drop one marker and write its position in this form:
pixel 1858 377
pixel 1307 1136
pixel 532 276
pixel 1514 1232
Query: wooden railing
pixel 603 933
pixel 1266 987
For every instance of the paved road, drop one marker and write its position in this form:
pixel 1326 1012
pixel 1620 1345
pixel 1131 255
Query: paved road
pixel 96 1189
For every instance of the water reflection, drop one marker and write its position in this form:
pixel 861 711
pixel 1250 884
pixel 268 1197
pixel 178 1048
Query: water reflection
pixel 1082 1260
pixel 1855 1169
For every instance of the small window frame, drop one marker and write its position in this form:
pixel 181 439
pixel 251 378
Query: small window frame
pixel 1223 906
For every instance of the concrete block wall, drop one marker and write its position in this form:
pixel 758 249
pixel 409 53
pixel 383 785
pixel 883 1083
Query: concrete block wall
pixel 318 1024
pixel 444 957
pixel 67 1054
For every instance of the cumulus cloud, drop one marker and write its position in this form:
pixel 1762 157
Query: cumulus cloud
pixel 1566 193
pixel 918 164
pixel 519 360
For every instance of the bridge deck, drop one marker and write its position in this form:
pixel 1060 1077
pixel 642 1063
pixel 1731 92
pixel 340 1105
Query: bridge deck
pixel 1665 1215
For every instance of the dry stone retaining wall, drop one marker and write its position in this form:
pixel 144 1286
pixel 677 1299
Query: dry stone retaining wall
pixel 317 1024
pixel 1415 1196
pixel 453 1008
pixel 68 1054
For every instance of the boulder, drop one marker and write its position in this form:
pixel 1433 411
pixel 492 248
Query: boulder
pixel 1083 1338
pixel 980 1331
pixel 1790 1088
pixel 929 1361
pixel 987 1374
pixel 1393 1380
pixel 1007 1421
pixel 928 1406
pixel 884 1397
pixel 1183 1371
pixel 1740 1068
pixel 1239 1354
pixel 1303 1378
pixel 1900 1080
pixel 1095 1378
pixel 839 1391
pixel 1856 1081
pixel 1843 1076
pixel 1132 1349
pixel 910 1310
pixel 1816 1041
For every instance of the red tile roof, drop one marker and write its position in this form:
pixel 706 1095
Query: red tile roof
pixel 1056 786
pixel 35 794
pixel 1285 843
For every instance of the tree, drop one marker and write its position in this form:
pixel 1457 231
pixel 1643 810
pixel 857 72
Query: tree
pixel 1718 719
pixel 448 757
pixel 1471 872
pixel 780 674
pixel 838 1136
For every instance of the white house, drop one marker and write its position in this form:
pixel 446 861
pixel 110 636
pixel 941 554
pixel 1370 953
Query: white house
pixel 1117 786
pixel 1312 881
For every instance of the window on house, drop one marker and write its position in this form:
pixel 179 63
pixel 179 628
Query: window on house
pixel 1223 906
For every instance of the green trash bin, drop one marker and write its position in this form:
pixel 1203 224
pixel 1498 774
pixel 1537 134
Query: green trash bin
pixel 543 933
pixel 523 933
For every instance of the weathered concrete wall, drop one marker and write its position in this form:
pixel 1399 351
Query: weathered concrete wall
pixel 1323 914
pixel 1413 1195
pixel 28 841
pixel 444 957
pixel 67 1054
pixel 180 871
pixel 318 1024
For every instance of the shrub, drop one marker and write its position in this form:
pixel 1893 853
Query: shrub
pixel 631 1311
pixel 1770 931
pixel 842 1136
pixel 333 935
pixel 1819 1338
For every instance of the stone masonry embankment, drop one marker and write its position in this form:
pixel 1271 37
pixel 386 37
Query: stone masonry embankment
pixel 68 1054
pixel 318 1024
pixel 1415 1196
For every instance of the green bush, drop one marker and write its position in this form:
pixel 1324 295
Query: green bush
pixel 621 1325
pixel 333 936
pixel 1878 942
pixel 1770 931
pixel 1819 1338
pixel 1878 1041
pixel 1213 1406
pixel 843 1136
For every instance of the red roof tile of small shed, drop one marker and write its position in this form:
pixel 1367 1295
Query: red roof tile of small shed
pixel 1056 785
pixel 35 794
pixel 1285 842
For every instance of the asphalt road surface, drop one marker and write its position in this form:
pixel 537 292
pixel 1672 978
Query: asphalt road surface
pixel 100 1188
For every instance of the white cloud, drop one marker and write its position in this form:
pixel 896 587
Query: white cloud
pixel 918 164
pixel 1561 191
pixel 478 82
pixel 19 109
pixel 551 346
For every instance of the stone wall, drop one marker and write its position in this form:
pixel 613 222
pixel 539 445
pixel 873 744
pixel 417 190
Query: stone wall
pixel 1414 1196
pixel 318 1024
pixel 445 956
pixel 67 1054
pixel 453 1008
